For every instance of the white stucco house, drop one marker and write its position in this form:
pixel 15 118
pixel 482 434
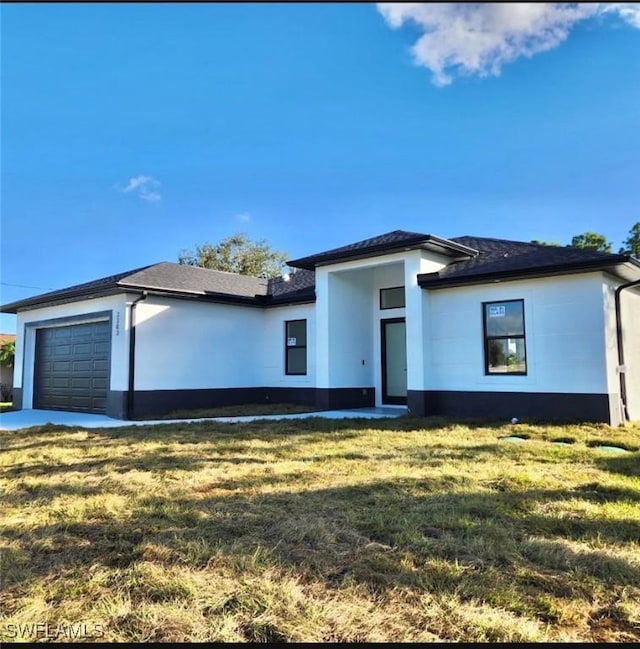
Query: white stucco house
pixel 470 326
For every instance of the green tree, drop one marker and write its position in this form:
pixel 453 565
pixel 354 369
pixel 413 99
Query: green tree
pixel 8 353
pixel 632 243
pixel 237 254
pixel 591 241
pixel 545 243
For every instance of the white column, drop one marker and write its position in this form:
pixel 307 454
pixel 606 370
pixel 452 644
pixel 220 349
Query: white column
pixel 415 322
pixel 322 328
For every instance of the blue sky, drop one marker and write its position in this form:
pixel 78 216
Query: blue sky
pixel 133 131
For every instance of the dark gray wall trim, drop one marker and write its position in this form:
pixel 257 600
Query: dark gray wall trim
pixel 117 404
pixel 532 406
pixel 151 403
pixel 300 396
pixel 157 403
pixel 17 398
pixel 341 398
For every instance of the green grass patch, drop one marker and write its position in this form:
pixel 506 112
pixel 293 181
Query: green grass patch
pixel 316 530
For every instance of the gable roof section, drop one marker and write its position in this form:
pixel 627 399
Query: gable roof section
pixel 181 280
pixel 170 277
pixel 500 259
pixel 384 244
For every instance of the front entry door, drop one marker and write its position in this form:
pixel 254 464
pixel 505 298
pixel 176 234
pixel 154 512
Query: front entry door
pixel 394 361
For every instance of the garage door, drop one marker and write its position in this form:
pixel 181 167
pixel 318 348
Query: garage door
pixel 72 367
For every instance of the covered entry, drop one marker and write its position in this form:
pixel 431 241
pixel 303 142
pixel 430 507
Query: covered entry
pixel 71 369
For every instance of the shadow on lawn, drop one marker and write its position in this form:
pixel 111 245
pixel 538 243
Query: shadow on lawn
pixel 628 465
pixel 504 543
pixel 493 545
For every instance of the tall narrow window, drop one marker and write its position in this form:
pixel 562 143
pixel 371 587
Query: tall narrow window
pixel 295 346
pixel 504 337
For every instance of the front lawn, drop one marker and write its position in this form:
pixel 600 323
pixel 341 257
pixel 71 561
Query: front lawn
pixel 242 410
pixel 319 530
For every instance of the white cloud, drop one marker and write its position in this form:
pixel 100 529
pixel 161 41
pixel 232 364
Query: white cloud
pixel 243 217
pixel 479 38
pixel 145 187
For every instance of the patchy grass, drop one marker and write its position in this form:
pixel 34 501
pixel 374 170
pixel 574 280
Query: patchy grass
pixel 319 530
pixel 247 409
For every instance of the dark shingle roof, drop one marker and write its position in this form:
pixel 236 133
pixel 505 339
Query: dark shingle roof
pixel 301 285
pixel 500 258
pixel 172 277
pixel 96 287
pixel 385 243
pixel 167 277
pixel 478 260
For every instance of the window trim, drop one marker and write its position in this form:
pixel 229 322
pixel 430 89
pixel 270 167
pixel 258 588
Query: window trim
pixel 287 347
pixel 488 338
pixel 390 288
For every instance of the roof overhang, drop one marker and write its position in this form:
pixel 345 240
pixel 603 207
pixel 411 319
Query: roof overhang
pixel 38 302
pixel 627 270
pixel 429 242
pixel 41 301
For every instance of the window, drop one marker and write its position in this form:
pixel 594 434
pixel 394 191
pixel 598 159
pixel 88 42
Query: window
pixel 504 337
pixel 295 332
pixel 392 298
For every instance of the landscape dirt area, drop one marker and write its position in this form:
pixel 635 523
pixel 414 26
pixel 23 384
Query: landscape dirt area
pixel 323 530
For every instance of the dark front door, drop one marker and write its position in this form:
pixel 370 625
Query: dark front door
pixel 72 367
pixel 394 361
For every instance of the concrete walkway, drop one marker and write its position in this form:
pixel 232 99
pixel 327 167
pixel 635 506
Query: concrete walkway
pixel 15 420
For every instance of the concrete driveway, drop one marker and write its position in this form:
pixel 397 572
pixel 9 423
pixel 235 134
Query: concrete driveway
pixel 17 419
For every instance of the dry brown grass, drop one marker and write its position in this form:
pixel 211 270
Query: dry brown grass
pixel 318 530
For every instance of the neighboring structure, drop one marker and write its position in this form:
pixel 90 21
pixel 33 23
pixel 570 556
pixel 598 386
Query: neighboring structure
pixel 468 326
pixel 6 371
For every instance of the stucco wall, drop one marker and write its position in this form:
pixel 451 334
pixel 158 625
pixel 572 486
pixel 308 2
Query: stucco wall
pixel 273 346
pixel 350 329
pixel 564 323
pixel 29 321
pixel 184 344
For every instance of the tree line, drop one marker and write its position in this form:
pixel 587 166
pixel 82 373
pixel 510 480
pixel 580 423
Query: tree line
pixel 596 241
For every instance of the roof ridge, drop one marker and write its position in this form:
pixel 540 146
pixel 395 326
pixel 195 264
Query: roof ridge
pixel 526 243
pixel 210 270
pixel 539 245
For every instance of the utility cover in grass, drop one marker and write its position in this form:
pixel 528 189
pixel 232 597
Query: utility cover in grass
pixel 612 449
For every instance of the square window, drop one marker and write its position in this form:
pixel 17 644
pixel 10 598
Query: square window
pixel 392 298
